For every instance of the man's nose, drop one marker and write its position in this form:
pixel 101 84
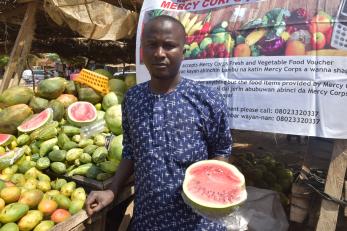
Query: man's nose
pixel 159 52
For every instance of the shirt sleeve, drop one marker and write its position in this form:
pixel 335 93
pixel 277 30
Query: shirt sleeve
pixel 128 151
pixel 219 138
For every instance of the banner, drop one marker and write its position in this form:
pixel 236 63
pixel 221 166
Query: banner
pixel 280 65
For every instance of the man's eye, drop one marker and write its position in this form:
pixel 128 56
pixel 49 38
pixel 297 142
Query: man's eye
pixel 169 46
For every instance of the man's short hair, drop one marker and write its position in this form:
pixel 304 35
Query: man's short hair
pixel 171 19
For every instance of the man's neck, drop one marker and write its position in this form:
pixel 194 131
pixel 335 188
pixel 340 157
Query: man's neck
pixel 163 86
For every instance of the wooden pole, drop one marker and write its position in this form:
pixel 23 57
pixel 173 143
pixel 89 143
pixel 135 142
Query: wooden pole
pixel 333 187
pixel 21 47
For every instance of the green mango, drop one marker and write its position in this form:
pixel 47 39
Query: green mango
pixel 70 145
pixel 58 167
pixel 70 130
pixel 81 170
pixel 67 189
pixel 13 212
pixel 47 146
pixel 44 225
pixel 90 149
pixel 76 206
pixel 30 220
pixel 57 155
pixel 85 158
pixel 62 140
pixel 10 227
pixel 23 139
pixel 109 166
pixel 79 194
pixel 85 142
pixel 73 154
pixel 58 183
pixel 99 155
pixel 43 163
pixel 63 201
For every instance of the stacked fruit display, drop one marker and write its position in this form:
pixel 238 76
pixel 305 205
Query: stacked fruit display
pixel 264 171
pixel 278 32
pixel 29 200
pixel 52 136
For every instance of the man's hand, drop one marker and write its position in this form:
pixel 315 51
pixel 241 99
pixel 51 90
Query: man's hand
pixel 98 200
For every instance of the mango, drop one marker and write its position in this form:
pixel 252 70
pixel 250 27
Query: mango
pixel 10 227
pixel 63 201
pixel 44 226
pixel 31 197
pixel 51 194
pixel 13 212
pixel 30 220
pixel 58 183
pixel 76 206
pixel 31 183
pixel 10 194
pixel 79 194
pixel 68 188
pixel 44 185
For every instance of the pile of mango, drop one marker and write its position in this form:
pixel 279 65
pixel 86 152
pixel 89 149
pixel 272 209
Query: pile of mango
pixel 29 200
pixel 263 171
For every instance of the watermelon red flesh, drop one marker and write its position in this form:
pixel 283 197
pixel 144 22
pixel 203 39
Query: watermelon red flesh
pixel 5 139
pixel 82 112
pixel 224 183
pixel 214 184
pixel 36 121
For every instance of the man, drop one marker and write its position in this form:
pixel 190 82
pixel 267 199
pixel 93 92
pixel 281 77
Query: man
pixel 169 123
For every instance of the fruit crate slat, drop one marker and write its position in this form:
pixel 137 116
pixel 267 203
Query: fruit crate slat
pixel 73 223
pixel 94 80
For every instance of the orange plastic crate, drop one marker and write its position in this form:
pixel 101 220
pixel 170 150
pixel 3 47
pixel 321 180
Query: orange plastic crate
pixel 94 80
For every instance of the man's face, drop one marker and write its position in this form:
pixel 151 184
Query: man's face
pixel 162 44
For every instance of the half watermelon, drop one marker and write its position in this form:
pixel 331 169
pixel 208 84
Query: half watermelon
pixel 214 188
pixel 36 121
pixel 5 139
pixel 81 113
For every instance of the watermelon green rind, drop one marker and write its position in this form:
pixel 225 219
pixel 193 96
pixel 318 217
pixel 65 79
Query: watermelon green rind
pixel 79 123
pixel 28 126
pixel 208 207
pixel 5 139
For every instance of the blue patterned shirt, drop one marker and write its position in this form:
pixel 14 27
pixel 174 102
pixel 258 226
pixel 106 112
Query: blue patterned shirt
pixel 163 135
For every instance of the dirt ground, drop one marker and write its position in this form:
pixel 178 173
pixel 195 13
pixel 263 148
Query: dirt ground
pixel 289 152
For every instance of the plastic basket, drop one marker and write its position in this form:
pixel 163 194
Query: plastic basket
pixel 94 80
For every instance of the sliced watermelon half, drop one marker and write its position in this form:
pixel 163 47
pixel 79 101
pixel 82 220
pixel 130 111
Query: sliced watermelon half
pixel 5 139
pixel 36 121
pixel 81 113
pixel 214 187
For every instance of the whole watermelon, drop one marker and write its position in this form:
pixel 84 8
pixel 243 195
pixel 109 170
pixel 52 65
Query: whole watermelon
pixel 12 117
pixel 113 118
pixel 51 88
pixel 16 95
